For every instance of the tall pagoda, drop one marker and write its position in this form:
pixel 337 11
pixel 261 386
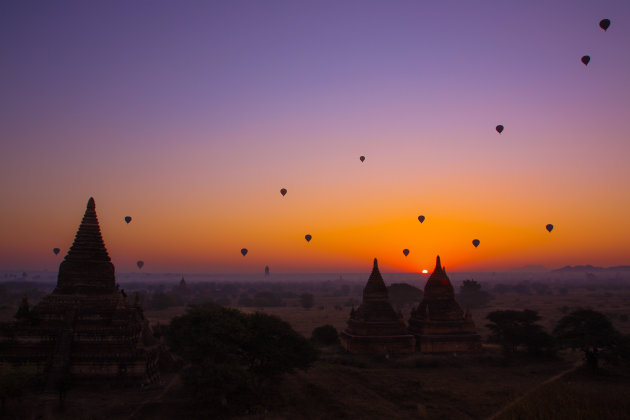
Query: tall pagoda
pixel 438 322
pixel 85 330
pixel 374 327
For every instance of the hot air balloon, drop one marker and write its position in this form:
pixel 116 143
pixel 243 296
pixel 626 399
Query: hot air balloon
pixel 421 218
pixel 586 60
pixel 140 264
pixel 308 238
pixel 244 251
pixel 362 158
pixel 604 24
pixel 499 128
pixel 406 252
pixel 56 251
pixel 476 242
pixel 549 227
pixel 283 191
pixel 127 219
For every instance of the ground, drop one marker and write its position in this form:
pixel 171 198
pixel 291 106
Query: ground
pixel 411 387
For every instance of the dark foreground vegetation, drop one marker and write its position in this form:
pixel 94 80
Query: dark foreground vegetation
pixel 234 361
pixel 249 363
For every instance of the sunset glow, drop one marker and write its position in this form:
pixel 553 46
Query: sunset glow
pixel 192 130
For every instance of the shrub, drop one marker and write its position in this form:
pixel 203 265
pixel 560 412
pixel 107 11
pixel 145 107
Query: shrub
pixel 325 335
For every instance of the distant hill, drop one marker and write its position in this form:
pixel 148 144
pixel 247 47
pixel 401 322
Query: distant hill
pixel 590 269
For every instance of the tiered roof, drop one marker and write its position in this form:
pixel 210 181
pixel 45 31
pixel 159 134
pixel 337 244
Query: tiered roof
pixel 87 269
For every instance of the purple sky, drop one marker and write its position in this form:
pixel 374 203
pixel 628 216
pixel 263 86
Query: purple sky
pixel 171 106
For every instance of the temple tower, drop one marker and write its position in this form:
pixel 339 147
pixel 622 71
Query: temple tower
pixel 87 269
pixel 438 323
pixel 85 330
pixel 375 327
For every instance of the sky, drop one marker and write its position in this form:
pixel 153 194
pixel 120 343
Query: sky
pixel 191 116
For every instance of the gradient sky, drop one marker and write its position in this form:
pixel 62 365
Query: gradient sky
pixel 190 117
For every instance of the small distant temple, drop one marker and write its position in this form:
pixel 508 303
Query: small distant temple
pixel 85 331
pixel 374 327
pixel 438 323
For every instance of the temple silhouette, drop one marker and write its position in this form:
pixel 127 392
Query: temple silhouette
pixel 374 327
pixel 436 325
pixel 85 330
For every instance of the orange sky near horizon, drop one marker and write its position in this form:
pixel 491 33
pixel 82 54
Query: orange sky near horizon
pixel 191 118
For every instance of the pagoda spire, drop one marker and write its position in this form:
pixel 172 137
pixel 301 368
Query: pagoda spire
pixel 438 283
pixel 88 243
pixel 438 265
pixel 87 268
pixel 375 288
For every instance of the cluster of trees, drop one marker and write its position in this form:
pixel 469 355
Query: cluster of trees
pixel 583 329
pixel 326 335
pixel 471 296
pixel 232 359
pixel 404 294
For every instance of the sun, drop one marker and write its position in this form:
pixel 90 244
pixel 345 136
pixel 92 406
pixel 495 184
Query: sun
pixel 425 271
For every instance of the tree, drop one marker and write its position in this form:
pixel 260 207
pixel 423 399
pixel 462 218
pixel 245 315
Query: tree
pixel 230 356
pixel 307 300
pixel 403 293
pixel 512 329
pixel 325 335
pixel 589 331
pixel 471 296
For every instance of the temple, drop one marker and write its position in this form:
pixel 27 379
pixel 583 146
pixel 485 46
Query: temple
pixel 438 323
pixel 374 327
pixel 85 330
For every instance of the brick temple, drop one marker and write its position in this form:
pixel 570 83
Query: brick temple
pixel 85 330
pixel 374 327
pixel 438 322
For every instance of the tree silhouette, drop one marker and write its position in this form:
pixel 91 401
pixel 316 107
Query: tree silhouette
pixel 512 329
pixel 589 331
pixel 231 356
pixel 471 296
pixel 325 335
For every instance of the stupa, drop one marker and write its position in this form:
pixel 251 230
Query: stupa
pixel 85 330
pixel 374 327
pixel 438 322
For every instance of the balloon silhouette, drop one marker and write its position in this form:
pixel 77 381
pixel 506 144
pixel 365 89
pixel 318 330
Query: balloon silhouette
pixel 140 264
pixel 244 251
pixel 406 252
pixel 604 24
pixel 549 227
pixel 586 60
pixel 421 218
pixel 283 191
pixel 127 219
pixel 56 251
pixel 308 238
pixel 362 158
pixel 499 128
pixel 476 242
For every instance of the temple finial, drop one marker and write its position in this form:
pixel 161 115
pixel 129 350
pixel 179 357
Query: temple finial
pixel 438 264
pixel 375 264
pixel 91 204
